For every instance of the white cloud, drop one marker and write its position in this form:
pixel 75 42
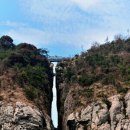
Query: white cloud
pixel 71 22
pixel 86 4
pixel 46 9
pixel 29 35
pixel 12 24
pixel 42 38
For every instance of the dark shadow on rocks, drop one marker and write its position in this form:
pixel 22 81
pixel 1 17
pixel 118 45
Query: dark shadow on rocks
pixel 71 124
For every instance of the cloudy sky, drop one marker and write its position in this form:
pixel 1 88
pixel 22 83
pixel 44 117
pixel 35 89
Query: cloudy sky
pixel 64 27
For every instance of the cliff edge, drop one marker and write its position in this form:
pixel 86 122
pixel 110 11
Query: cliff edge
pixel 26 80
pixel 94 88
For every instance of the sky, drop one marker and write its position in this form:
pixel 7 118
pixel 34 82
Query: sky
pixel 64 27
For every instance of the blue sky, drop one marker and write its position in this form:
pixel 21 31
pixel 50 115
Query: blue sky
pixel 64 27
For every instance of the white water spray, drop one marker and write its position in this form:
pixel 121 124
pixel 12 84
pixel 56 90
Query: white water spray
pixel 54 112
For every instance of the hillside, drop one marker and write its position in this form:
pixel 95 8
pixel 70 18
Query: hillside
pixel 25 87
pixel 89 81
pixel 93 88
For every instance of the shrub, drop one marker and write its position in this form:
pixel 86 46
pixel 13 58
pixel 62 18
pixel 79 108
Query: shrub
pixel 68 74
pixel 95 60
pixel 121 89
pixel 115 59
pixel 109 79
pixel 87 92
pixel 34 75
pixel 85 80
pixel 31 92
pixel 4 53
pixel 26 46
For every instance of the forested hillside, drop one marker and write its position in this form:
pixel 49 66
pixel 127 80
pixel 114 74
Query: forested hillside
pixel 25 76
pixel 97 74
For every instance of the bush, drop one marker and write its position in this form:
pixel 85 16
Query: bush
pixel 68 74
pixel 121 89
pixel 34 75
pixel 115 59
pixel 85 80
pixel 109 79
pixel 4 54
pixel 26 46
pixel 95 60
pixel 31 92
pixel 87 92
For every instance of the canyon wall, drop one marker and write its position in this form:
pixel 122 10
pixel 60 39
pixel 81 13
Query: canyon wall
pixel 26 80
pixel 94 88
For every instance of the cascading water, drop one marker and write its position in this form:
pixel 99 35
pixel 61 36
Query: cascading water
pixel 54 112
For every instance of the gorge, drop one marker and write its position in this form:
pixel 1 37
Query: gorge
pixel 90 91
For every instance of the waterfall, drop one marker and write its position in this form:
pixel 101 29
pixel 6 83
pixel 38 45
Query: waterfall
pixel 54 112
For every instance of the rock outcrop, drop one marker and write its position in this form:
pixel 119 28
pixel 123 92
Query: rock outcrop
pixel 21 116
pixel 111 115
pixel 26 80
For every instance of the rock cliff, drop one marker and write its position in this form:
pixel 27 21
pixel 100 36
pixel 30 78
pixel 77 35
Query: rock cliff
pixel 21 116
pixel 26 80
pixel 99 116
pixel 104 113
pixel 94 88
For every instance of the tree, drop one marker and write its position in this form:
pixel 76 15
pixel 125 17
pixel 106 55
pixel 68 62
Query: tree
pixel 6 42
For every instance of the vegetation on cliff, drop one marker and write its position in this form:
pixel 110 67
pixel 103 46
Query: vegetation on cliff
pixel 29 69
pixel 100 72
pixel 107 64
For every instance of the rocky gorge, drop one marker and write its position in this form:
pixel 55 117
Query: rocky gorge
pixel 99 116
pixel 93 88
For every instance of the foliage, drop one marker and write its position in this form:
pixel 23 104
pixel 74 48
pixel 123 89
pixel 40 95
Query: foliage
pixel 34 75
pixel 109 79
pixel 6 42
pixel 106 64
pixel 31 92
pixel 87 92
pixel 30 64
pixel 121 89
pixel 85 80
pixel 68 74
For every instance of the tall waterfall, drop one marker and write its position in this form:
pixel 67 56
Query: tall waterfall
pixel 54 113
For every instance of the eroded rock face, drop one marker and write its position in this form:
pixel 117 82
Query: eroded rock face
pixel 20 116
pixel 100 116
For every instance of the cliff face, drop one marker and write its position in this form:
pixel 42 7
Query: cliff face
pixel 18 112
pixel 21 116
pixel 93 88
pixel 25 87
pixel 100 116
